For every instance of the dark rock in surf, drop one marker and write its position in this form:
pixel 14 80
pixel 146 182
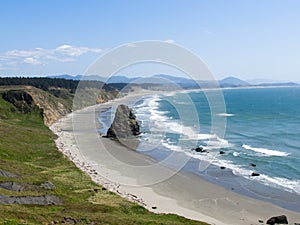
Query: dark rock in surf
pixel 278 220
pixel 124 125
pixel 252 164
pixel 199 149
pixel 222 167
pixel 255 174
pixel 222 152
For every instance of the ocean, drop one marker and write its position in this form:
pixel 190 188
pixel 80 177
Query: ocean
pixel 261 134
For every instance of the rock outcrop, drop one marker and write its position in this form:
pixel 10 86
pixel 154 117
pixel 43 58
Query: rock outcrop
pixel 124 125
pixel 4 173
pixel 31 200
pixel 47 185
pixel 11 186
pixel 278 220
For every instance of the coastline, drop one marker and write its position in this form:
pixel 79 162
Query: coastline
pixel 182 193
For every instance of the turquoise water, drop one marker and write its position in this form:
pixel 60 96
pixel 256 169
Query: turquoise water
pixel 263 128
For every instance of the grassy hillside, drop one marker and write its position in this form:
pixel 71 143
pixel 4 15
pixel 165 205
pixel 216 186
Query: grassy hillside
pixel 27 149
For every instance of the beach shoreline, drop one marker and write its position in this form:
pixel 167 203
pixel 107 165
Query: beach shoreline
pixel 181 193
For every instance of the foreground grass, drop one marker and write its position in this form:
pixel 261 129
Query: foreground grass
pixel 28 150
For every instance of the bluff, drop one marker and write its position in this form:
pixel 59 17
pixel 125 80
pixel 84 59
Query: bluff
pixel 125 124
pixel 28 99
pixel 53 98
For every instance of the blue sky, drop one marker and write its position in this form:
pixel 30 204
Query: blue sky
pixel 247 39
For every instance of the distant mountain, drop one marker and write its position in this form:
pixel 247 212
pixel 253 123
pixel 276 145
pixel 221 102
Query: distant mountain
pixel 168 80
pixel 79 77
pixel 66 76
pixel 287 84
pixel 111 80
pixel 263 81
pixel 232 82
pixel 121 79
pixel 180 81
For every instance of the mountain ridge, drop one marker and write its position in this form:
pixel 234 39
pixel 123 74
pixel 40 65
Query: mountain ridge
pixel 183 82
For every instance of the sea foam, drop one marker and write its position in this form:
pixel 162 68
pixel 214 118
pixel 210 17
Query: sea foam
pixel 265 151
pixel 226 114
pixel 162 123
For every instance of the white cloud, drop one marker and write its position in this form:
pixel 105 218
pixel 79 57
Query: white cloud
pixel 75 51
pixel 32 61
pixel 38 56
pixel 38 52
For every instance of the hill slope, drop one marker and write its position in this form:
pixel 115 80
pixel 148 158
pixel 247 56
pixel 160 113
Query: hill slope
pixel 232 82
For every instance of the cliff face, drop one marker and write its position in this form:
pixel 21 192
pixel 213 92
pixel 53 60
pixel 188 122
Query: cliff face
pixel 20 99
pixel 54 103
pixel 28 99
pixel 52 107
pixel 125 124
pixel 105 96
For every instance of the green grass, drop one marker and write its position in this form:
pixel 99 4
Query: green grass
pixel 27 149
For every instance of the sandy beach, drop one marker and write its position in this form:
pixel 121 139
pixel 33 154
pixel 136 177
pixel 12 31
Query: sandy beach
pixel 141 179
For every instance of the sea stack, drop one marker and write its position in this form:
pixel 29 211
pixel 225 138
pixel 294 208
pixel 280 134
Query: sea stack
pixel 124 125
